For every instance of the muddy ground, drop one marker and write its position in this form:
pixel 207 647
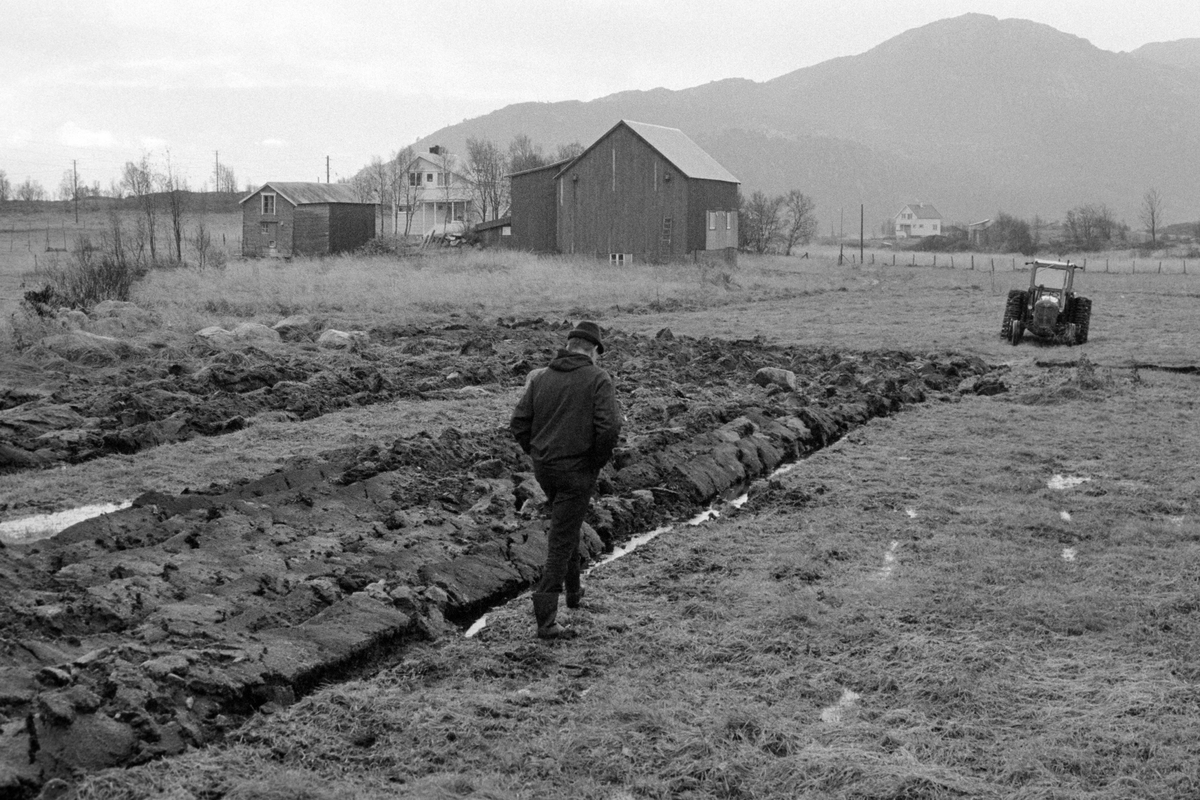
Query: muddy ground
pixel 161 627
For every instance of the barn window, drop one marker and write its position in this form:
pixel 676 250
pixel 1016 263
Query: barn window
pixel 506 230
pixel 268 205
pixel 728 220
pixel 620 258
pixel 264 228
pixel 712 220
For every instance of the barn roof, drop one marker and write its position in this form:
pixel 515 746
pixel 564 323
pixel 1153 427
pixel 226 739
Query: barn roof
pixel 299 194
pixel 675 146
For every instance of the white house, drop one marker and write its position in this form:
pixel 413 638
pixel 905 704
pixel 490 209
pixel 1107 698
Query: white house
pixel 437 198
pixel 918 219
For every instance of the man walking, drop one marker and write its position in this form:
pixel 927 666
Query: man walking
pixel 568 421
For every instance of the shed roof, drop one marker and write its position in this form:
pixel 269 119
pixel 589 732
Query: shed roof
pixel 299 194
pixel 493 223
pixel 675 146
pixel 922 211
pixel 556 165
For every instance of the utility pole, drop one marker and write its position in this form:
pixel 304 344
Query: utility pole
pixel 327 169
pixel 217 171
pixel 75 187
pixel 861 216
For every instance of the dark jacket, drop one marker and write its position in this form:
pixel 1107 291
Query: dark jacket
pixel 568 419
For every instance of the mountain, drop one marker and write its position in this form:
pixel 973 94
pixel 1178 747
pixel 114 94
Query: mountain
pixel 973 114
pixel 1183 53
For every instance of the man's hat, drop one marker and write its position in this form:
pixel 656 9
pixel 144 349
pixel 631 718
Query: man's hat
pixel 589 331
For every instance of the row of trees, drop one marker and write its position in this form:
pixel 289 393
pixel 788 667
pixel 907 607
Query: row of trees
pixel 776 224
pixel 29 190
pixel 70 188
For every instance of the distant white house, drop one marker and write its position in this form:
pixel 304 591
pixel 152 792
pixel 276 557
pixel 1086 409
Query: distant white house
pixel 918 219
pixel 439 198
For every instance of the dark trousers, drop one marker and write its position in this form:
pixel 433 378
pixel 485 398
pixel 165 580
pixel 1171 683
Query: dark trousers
pixel 568 495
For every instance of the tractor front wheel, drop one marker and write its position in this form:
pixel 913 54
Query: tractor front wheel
pixel 1018 330
pixel 1081 315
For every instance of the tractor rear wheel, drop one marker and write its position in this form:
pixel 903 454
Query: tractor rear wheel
pixel 1012 311
pixel 1081 315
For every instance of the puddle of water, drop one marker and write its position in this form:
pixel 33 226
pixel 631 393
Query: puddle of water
pixel 1061 483
pixel 1068 553
pixel 43 526
pixel 476 626
pixel 835 713
pixel 1065 515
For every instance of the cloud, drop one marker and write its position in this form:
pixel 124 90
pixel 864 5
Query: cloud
pixel 273 143
pixel 153 143
pixel 72 135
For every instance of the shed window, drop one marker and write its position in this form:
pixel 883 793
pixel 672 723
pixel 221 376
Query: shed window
pixel 414 179
pixel 429 177
pixel 728 220
pixel 712 220
pixel 264 228
pixel 506 230
pixel 268 205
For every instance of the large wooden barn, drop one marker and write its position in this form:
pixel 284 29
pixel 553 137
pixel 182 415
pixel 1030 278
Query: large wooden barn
pixel 304 219
pixel 640 192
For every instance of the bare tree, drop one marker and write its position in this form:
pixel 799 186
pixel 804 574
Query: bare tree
pixel 448 164
pixel 485 171
pixel 1151 214
pixel 176 190
pixel 141 181
pixel 380 176
pixel 407 185
pixel 30 190
pixel 1090 227
pixel 523 154
pixel 362 185
pixel 801 220
pixel 5 187
pixel 761 222
pixel 226 179
pixel 566 151
pixel 67 189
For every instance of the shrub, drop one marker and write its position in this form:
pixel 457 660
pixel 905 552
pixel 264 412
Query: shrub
pixel 92 274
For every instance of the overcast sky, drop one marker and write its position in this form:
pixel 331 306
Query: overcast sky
pixel 275 88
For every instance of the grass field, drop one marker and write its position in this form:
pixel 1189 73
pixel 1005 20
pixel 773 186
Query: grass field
pixel 988 597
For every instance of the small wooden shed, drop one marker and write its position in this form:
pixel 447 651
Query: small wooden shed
pixel 495 232
pixel 647 193
pixel 304 219
pixel 534 208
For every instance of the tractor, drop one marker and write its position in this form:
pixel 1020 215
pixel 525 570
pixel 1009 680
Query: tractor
pixel 1049 308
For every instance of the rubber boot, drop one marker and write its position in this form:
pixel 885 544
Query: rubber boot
pixel 545 610
pixel 574 590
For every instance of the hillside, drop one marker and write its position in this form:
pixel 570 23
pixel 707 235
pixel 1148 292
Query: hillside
pixel 973 114
pixel 1183 53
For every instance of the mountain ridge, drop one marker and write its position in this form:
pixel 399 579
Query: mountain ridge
pixel 973 113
